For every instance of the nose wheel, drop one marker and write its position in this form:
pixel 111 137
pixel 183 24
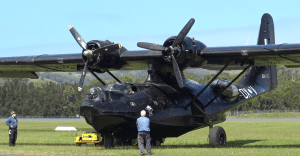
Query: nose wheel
pixel 217 136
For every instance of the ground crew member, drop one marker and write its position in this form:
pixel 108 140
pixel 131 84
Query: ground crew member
pixel 143 126
pixel 12 123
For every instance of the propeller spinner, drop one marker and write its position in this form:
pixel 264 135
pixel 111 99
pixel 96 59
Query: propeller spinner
pixel 89 53
pixel 170 50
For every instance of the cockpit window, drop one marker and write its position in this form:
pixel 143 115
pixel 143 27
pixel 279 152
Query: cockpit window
pixel 121 87
pixel 92 93
pixel 96 93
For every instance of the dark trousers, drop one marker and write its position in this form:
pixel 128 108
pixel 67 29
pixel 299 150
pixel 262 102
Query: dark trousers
pixel 142 137
pixel 12 136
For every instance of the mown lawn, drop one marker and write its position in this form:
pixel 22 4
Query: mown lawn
pixel 244 138
pixel 269 115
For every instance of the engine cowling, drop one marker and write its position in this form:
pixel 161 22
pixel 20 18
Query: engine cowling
pixel 94 45
pixel 187 53
pixel 96 60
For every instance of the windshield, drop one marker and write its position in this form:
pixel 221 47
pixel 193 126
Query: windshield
pixel 125 88
pixel 96 93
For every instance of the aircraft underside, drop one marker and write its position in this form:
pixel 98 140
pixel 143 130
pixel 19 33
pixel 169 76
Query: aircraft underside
pixel 124 126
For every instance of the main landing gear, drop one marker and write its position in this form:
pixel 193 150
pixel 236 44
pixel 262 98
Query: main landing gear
pixel 217 136
pixel 108 142
pixel 157 141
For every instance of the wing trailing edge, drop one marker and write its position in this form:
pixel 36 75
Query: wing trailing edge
pixel 31 75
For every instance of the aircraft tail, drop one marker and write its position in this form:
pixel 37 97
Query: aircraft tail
pixel 262 78
pixel 258 79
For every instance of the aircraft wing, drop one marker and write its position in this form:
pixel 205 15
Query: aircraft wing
pixel 272 54
pixel 26 66
pixel 258 55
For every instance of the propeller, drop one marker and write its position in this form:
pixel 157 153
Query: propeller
pixel 170 50
pixel 89 53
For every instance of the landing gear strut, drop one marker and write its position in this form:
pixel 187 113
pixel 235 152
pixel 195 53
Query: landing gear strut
pixel 217 136
pixel 156 142
pixel 108 142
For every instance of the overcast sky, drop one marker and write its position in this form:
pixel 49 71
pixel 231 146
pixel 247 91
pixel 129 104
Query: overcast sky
pixel 34 27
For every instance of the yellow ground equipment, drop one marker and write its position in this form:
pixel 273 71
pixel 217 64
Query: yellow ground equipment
pixel 88 137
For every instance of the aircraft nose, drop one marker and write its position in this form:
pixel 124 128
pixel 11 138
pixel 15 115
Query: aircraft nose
pixel 106 117
pixel 88 110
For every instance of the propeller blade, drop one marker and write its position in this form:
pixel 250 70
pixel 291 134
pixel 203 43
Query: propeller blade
pixel 108 48
pixel 185 30
pixel 177 73
pixel 83 75
pixel 77 37
pixel 151 46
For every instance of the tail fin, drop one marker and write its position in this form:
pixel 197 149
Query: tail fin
pixel 264 76
pixel 266 33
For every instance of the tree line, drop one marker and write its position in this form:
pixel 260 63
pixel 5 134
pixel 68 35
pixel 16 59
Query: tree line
pixel 49 98
pixel 46 98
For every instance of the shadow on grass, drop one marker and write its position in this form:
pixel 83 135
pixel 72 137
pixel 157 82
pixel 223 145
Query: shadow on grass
pixel 230 144
pixel 240 143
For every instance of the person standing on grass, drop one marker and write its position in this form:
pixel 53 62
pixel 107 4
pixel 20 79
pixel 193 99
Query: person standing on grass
pixel 12 123
pixel 143 126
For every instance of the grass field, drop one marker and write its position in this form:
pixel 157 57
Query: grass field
pixel 269 115
pixel 243 138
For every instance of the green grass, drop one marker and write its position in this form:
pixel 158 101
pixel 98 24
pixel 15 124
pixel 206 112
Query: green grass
pixel 269 115
pixel 243 138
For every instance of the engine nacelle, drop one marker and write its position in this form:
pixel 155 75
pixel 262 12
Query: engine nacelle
pixel 187 53
pixel 101 62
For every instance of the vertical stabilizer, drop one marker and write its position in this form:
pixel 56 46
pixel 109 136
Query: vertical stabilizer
pixel 262 78
pixel 266 33
pixel 267 36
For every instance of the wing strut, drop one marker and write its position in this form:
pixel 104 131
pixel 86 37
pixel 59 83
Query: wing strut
pixel 193 100
pixel 227 86
pixel 113 76
pixel 98 78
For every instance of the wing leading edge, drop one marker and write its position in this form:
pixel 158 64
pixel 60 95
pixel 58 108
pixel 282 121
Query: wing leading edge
pixel 26 66
pixel 266 52
pixel 258 55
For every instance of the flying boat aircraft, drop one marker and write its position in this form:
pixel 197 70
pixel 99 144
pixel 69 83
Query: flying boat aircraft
pixel 175 105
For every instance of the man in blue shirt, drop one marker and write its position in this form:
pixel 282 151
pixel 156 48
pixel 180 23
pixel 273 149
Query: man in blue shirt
pixel 12 123
pixel 143 126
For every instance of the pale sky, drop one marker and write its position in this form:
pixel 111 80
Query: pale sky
pixel 34 27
